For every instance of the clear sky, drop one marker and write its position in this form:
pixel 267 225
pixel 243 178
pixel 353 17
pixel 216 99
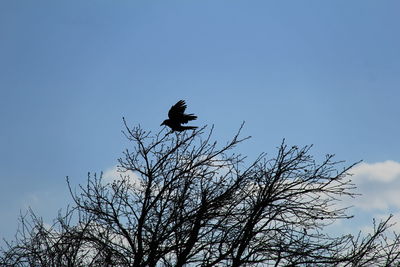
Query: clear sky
pixel 314 72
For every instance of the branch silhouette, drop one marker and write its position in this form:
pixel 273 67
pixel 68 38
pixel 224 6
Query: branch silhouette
pixel 184 200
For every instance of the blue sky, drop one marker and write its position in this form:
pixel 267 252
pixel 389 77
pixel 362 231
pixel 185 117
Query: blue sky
pixel 314 72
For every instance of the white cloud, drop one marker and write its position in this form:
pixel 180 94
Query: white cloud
pixel 387 171
pixel 114 173
pixel 379 184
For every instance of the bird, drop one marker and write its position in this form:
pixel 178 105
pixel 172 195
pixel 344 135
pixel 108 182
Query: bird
pixel 177 117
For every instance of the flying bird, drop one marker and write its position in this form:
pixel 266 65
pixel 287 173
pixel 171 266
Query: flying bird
pixel 177 117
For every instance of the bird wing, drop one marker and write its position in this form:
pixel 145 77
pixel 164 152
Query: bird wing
pixel 177 110
pixel 176 113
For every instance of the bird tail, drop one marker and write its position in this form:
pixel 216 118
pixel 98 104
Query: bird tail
pixel 189 127
pixel 190 117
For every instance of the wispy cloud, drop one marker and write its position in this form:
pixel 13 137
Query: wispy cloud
pixel 31 200
pixel 395 220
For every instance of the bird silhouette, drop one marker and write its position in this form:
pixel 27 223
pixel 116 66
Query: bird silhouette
pixel 177 117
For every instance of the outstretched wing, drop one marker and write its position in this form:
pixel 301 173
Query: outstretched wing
pixel 176 113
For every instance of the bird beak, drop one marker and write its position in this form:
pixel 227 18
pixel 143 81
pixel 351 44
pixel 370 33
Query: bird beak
pixel 162 124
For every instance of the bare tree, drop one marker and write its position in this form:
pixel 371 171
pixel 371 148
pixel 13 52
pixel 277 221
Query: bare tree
pixel 181 200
